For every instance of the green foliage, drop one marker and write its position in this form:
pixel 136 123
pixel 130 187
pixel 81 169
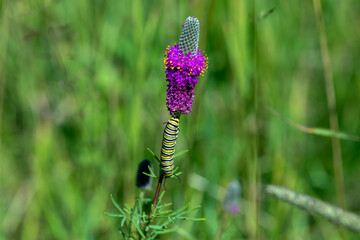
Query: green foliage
pixel 146 228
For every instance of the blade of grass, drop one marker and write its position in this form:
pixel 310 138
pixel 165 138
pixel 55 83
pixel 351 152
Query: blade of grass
pixel 317 131
pixel 331 101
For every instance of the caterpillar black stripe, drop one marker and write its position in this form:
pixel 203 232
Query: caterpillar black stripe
pixel 168 146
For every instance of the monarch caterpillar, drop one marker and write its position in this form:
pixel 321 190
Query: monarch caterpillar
pixel 168 146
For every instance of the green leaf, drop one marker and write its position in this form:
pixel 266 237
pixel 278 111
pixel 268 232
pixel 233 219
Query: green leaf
pixel 123 234
pixel 179 210
pixel 190 219
pixel 197 219
pixel 116 205
pixel 164 212
pixel 166 231
pixel 171 219
pixel 156 227
pixel 161 196
pixel 140 205
pixel 128 207
pixel 151 171
pixel 316 131
pixel 143 217
pixel 153 176
pixel 127 211
pixel 132 214
pixel 113 214
pixel 138 228
pixel 180 153
pixel 164 205
pixel 152 153
pixel 190 210
pixel 177 174
pixel 123 221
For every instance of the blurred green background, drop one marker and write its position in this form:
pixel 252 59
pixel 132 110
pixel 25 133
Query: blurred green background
pixel 82 95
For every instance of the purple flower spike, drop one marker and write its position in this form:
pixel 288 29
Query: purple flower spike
pixel 182 68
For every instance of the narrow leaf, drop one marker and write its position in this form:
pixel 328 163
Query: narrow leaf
pixel 116 205
pixel 196 219
pixel 190 219
pixel 152 153
pixel 164 205
pixel 128 207
pixel 177 174
pixel 113 214
pixel 190 210
pixel 138 228
pixel 127 211
pixel 167 231
pixel 157 227
pixel 151 171
pixel 123 221
pixel 179 210
pixel 149 175
pixel 180 153
pixel 140 205
pixel 123 234
pixel 316 131
pixel 161 196
pixel 132 214
pixel 163 212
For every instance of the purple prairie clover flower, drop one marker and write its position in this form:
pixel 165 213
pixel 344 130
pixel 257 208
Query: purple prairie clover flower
pixel 183 65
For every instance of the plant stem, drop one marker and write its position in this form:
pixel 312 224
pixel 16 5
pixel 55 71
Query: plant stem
pixel 156 194
pixel 256 177
pixel 331 101
pixel 332 213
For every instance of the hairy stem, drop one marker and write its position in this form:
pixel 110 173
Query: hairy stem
pixel 332 213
